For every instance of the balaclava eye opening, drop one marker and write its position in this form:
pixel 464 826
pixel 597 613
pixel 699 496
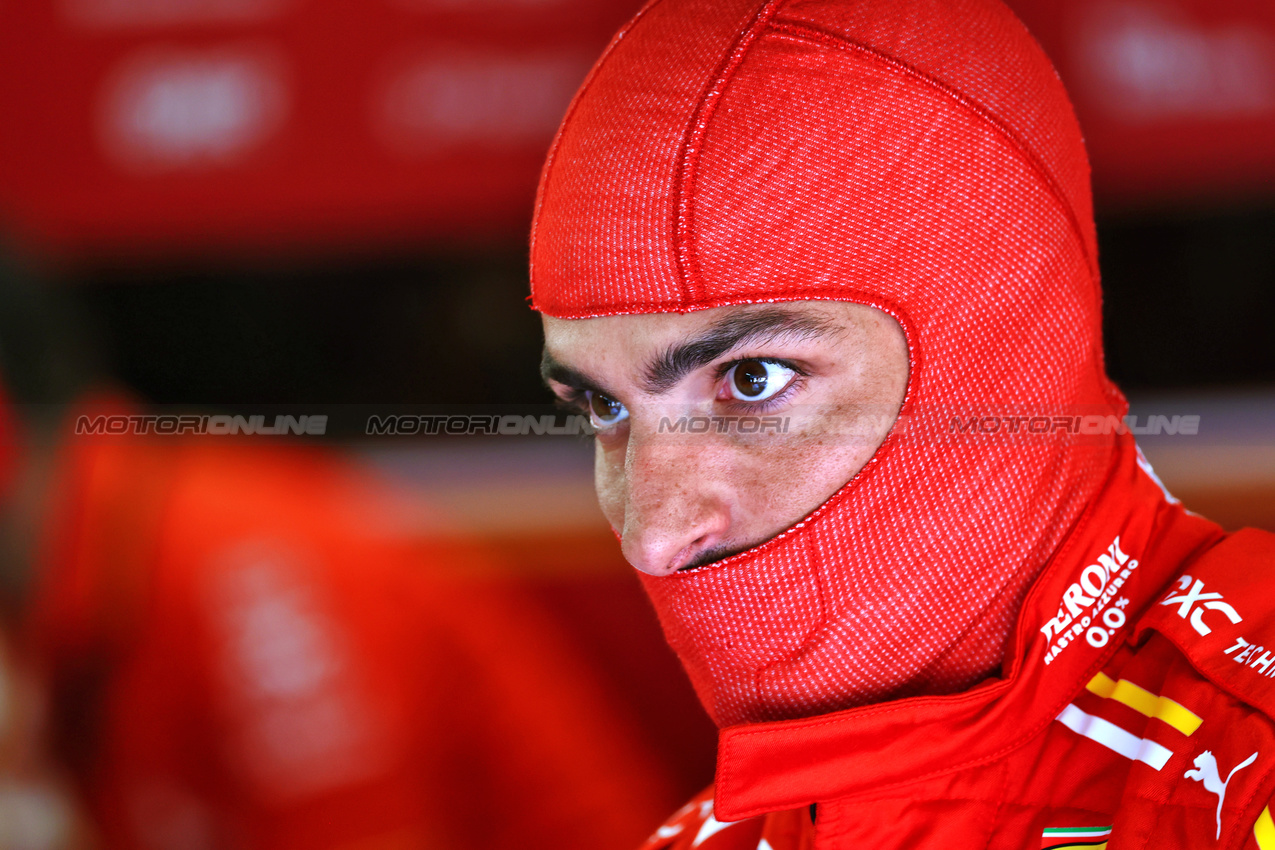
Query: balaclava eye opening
pixel 914 155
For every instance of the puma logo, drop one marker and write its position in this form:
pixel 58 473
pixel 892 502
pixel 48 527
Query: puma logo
pixel 1206 772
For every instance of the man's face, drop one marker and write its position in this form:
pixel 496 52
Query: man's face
pixel 719 429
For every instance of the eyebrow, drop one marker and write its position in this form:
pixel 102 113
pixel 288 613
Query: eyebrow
pixel 677 361
pixel 552 369
pixel 753 328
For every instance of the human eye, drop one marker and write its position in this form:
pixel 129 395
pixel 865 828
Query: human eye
pixel 758 380
pixel 604 411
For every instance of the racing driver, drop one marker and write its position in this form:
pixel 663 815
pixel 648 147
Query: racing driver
pixel 824 275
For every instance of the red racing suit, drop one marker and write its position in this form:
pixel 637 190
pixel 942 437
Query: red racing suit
pixel 1134 712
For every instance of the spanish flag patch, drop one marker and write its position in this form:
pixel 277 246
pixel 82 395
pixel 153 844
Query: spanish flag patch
pixel 1075 838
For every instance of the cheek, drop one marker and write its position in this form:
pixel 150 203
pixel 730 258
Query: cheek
pixel 780 481
pixel 609 482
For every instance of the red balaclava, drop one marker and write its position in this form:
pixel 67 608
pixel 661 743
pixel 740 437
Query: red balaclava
pixel 919 156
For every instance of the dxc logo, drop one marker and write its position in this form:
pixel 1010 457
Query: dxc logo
pixel 1186 601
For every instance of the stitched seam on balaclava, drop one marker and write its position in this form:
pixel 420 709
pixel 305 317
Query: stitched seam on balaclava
pixel 684 187
pixel 806 32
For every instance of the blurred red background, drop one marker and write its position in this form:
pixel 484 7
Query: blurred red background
pixel 145 126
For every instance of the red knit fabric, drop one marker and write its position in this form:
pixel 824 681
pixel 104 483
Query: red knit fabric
pixel 914 155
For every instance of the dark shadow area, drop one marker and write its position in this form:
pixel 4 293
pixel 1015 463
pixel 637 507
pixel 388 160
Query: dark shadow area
pixel 1189 299
pixel 1189 302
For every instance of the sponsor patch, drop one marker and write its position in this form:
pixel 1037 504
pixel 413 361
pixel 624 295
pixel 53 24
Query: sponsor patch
pixel 1089 606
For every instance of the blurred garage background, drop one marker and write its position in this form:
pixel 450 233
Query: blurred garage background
pixel 320 207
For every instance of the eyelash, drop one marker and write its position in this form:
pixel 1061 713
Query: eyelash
pixel 778 361
pixel 574 399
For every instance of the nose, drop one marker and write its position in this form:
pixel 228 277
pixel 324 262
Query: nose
pixel 677 501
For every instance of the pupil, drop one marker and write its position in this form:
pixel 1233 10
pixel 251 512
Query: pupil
pixel 750 377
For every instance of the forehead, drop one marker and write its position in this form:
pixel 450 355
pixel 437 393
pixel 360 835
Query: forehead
pixel 567 337
pixel 639 334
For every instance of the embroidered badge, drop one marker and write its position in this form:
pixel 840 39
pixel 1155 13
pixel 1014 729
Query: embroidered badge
pixel 1075 837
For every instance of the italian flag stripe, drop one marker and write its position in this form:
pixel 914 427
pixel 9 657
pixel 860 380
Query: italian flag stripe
pixel 1076 831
